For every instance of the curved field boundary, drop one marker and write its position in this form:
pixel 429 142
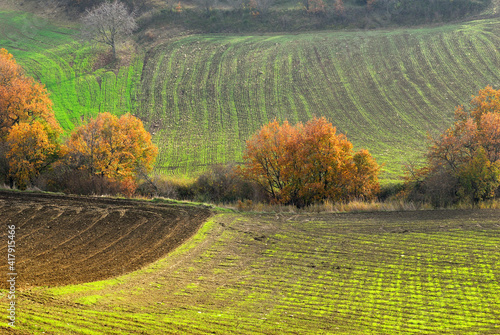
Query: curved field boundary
pixel 69 240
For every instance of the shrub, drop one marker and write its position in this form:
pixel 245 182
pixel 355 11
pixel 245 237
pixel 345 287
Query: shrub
pixel 223 184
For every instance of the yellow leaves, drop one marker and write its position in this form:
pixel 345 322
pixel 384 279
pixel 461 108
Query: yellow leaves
pixel 30 150
pixel 117 148
pixel 8 68
pixel 487 101
pixel 27 122
pixel 479 127
pixel 111 147
pixel 21 98
pixel 464 161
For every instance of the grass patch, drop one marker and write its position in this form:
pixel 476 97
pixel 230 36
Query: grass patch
pixel 387 90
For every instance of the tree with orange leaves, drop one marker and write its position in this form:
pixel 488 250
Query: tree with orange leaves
pixel 478 127
pixel 468 153
pixel 119 149
pixel 32 148
pixel 21 98
pixel 309 163
pixel 339 7
pixel 266 157
pixel 29 132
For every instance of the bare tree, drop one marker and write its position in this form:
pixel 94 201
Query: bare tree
pixel 108 23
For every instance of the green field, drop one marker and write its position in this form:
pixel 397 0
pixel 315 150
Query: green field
pixel 205 95
pixel 202 96
pixel 425 272
pixel 79 87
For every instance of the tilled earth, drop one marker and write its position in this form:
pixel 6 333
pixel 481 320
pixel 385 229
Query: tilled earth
pixel 68 240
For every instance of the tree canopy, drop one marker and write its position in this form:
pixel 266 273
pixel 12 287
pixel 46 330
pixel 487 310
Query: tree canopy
pixel 31 149
pixel 303 164
pixel 21 98
pixel 466 155
pixel 116 148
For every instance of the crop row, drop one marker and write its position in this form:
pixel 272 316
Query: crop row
pixel 379 273
pixel 203 96
pixel 387 91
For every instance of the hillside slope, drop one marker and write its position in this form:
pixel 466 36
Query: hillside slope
pixel 80 85
pixel 202 96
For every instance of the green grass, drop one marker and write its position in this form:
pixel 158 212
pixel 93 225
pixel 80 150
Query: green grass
pixel 426 272
pixel 203 96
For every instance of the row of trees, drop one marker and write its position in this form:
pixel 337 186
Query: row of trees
pixel 298 164
pixel 110 150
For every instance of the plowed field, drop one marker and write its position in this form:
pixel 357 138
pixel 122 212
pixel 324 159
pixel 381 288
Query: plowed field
pixel 68 240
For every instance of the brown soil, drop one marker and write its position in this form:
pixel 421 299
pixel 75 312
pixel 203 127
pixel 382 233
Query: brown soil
pixel 68 240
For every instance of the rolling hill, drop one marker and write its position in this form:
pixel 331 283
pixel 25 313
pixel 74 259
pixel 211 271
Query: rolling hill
pixel 202 96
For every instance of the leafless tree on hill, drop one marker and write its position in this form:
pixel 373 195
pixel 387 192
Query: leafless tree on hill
pixel 108 23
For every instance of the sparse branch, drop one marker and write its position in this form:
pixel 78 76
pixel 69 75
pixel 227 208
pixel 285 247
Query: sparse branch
pixel 107 24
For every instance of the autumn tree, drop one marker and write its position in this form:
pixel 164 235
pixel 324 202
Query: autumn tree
pixel 339 7
pixel 22 99
pixel 32 148
pixel 266 157
pixel 468 153
pixel 119 149
pixel 29 132
pixel 108 23
pixel 308 163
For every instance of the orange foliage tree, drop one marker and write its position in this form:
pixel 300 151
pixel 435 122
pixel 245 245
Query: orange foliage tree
pixel 32 147
pixel 29 132
pixel 116 148
pixel 21 98
pixel 308 163
pixel 339 7
pixel 468 153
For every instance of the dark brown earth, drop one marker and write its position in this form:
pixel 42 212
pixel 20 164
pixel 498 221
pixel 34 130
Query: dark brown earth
pixel 68 240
